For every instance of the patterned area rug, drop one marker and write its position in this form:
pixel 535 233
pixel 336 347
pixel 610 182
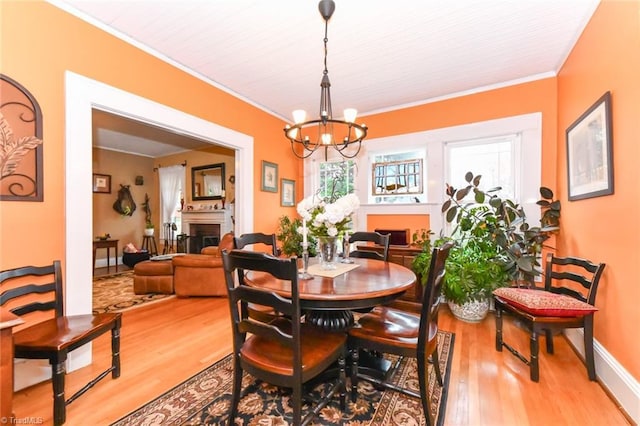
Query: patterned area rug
pixel 114 293
pixel 204 400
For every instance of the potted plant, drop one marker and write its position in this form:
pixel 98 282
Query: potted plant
pixel 495 246
pixel 290 237
pixel 146 207
pixel 505 222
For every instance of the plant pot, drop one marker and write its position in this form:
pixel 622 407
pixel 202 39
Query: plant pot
pixel 149 232
pixel 472 311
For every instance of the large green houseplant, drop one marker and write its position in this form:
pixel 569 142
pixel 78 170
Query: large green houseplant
pixel 495 245
pixel 504 222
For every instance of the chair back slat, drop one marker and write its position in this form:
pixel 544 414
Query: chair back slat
pixel 373 237
pixel 271 332
pixel 27 297
pixel 261 297
pixel 584 274
pixel 432 291
pixel 257 238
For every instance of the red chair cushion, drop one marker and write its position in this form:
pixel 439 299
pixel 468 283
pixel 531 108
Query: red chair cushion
pixel 544 303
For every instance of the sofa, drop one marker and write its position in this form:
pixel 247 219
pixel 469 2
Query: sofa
pixel 185 275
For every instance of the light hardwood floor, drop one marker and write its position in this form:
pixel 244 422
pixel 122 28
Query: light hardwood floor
pixel 165 343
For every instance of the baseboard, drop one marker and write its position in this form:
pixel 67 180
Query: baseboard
pixel 611 375
pixel 102 263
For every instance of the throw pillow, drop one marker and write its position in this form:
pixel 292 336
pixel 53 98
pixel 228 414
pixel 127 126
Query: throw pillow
pixel 544 303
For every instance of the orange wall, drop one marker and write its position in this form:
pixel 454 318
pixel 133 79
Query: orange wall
pixel 606 229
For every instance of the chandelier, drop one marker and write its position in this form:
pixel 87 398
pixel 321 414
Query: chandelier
pixel 326 131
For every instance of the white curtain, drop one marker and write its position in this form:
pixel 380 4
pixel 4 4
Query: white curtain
pixel 172 181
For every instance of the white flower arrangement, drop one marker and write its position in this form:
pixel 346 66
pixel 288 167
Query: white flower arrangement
pixel 327 219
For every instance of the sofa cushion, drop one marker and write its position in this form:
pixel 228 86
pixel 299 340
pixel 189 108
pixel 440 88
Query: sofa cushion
pixel 544 303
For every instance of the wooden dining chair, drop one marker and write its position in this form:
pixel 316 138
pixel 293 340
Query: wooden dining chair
pixel 381 240
pixel 24 292
pixel 567 301
pixel 284 351
pixel 388 330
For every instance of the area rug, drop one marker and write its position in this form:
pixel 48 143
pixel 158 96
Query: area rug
pixel 204 399
pixel 114 293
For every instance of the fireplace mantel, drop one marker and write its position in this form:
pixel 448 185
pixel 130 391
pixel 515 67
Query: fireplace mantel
pixel 221 217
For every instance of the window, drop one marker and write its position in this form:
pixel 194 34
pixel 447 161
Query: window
pixel 398 177
pixel 337 178
pixel 493 158
pixel 172 184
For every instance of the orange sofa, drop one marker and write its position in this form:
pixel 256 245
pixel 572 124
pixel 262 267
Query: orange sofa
pixel 187 275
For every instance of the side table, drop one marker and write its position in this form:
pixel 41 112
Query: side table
pixel 105 244
pixel 149 244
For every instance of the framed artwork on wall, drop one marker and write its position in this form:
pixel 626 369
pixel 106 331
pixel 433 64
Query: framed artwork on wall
pixel 288 192
pixel 102 183
pixel 589 152
pixel 269 176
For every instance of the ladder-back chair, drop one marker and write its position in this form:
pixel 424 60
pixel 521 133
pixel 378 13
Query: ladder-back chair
pixel 24 293
pixel 567 301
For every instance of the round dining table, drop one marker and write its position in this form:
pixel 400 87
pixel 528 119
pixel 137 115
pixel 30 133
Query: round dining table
pixel 329 301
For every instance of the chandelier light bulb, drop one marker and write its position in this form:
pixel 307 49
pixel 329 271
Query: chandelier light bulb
pixel 299 116
pixel 326 138
pixel 292 133
pixel 359 133
pixel 350 115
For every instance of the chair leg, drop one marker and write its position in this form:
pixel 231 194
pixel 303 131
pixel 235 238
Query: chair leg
pixel 498 329
pixel 342 363
pixel 296 404
pixel 588 348
pixel 115 351
pixel 436 366
pixel 237 388
pixel 549 340
pixel 355 354
pixel 423 382
pixel 57 380
pixel 533 362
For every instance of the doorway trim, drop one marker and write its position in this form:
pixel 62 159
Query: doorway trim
pixel 82 95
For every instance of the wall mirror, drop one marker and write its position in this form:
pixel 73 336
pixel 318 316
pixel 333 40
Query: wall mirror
pixel 207 182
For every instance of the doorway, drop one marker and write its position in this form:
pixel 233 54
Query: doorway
pixel 84 94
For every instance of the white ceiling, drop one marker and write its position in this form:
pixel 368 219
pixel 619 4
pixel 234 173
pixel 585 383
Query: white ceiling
pixel 381 55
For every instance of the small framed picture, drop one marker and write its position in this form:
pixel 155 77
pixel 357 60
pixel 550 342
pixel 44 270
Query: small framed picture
pixel 288 192
pixel 269 176
pixel 102 183
pixel 589 152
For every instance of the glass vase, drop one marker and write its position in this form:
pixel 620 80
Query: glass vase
pixel 328 249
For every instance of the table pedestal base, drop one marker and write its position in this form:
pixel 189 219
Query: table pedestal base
pixel 330 320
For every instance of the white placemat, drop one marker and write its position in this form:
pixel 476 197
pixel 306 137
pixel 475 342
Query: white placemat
pixel 341 268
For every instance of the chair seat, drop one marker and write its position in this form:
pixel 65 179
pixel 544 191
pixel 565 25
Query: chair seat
pixel 317 347
pixel 548 320
pixel 392 327
pixel 61 333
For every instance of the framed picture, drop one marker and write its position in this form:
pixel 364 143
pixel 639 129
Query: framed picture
pixel 269 176
pixel 102 183
pixel 589 152
pixel 288 192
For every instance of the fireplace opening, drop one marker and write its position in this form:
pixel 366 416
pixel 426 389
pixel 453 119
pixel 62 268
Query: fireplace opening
pixel 203 235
